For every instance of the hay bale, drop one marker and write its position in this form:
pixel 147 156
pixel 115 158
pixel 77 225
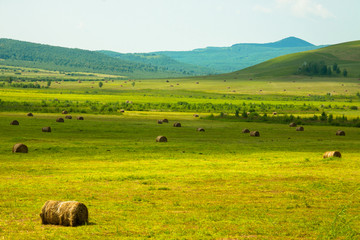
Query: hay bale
pixel 254 134
pixel 79 81
pixel 177 124
pixel 64 112
pixel 70 213
pixel 197 82
pixel 80 118
pixel 122 110
pixel 196 115
pixel 200 130
pixel 68 117
pixel 59 120
pixel 340 133
pixel 20 148
pixel 159 121
pixel 332 154
pixel 46 129
pixel 292 124
pixel 29 115
pixel 274 113
pixel 161 139
pixel 246 130
pixel 300 129
pixel 14 122
pixel 165 120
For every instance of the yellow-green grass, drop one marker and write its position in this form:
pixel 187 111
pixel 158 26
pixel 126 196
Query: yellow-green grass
pixel 217 184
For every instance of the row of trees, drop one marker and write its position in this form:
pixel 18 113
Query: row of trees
pixel 321 69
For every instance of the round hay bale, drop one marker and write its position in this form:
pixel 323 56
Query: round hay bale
pixel 254 134
pixel 14 122
pixel 246 130
pixel 70 213
pixel 200 130
pixel 29 115
pixel 46 129
pixel 122 110
pixel 68 117
pixel 161 139
pixel 332 154
pixel 197 82
pixel 79 81
pixel 64 112
pixel 165 120
pixel 196 115
pixel 20 148
pixel 340 133
pixel 292 124
pixel 59 120
pixel 80 118
pixel 177 124
pixel 274 113
pixel 300 129
pixel 159 121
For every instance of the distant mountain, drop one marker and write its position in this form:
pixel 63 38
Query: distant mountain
pixel 239 56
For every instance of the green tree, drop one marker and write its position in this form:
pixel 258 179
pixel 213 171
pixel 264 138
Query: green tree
pixel 133 84
pixel 335 67
pixel 345 72
pixel 48 83
pixel 100 84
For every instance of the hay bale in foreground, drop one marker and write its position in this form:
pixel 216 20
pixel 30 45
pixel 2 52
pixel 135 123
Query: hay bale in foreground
pixel 59 120
pixel 177 124
pixel 165 120
pixel 200 130
pixel 20 148
pixel 64 112
pixel 292 124
pixel 29 115
pixel 161 139
pixel 80 118
pixel 332 154
pixel 300 129
pixel 46 129
pixel 159 121
pixel 340 133
pixel 68 117
pixel 245 130
pixel 254 134
pixel 70 213
pixel 15 122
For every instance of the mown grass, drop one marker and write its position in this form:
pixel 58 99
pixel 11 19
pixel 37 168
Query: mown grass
pixel 219 184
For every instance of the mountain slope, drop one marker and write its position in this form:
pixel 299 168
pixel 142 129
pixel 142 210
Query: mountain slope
pixel 346 55
pixel 239 56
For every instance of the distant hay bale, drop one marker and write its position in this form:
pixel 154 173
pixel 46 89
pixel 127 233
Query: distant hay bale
pixel 68 117
pixel 292 124
pixel 177 124
pixel 165 120
pixel 46 129
pixel 246 130
pixel 340 133
pixel 122 110
pixel 200 130
pixel 70 213
pixel 20 148
pixel 274 113
pixel 14 122
pixel 159 121
pixel 29 114
pixel 161 139
pixel 197 82
pixel 248 113
pixel 224 80
pixel 80 118
pixel 254 134
pixel 300 129
pixel 64 112
pixel 59 120
pixel 79 81
pixel 332 154
pixel 167 80
pixel 196 115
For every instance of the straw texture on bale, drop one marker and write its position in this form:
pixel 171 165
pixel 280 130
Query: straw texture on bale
pixel 46 129
pixel 161 139
pixel 245 130
pixel 20 148
pixel 80 118
pixel 300 129
pixel 15 122
pixel 70 213
pixel 165 120
pixel 201 130
pixel 68 117
pixel 29 115
pixel 254 134
pixel 177 124
pixel 340 133
pixel 292 124
pixel 332 154
pixel 64 112
pixel 59 120
pixel 159 121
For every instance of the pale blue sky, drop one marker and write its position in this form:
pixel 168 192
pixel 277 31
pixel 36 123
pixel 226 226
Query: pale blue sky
pixel 154 25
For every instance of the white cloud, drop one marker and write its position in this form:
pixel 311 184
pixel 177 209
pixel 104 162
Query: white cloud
pixel 304 8
pixel 259 8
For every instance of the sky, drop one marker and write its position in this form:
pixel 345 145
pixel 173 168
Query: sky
pixel 129 26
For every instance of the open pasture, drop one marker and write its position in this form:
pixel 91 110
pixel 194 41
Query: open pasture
pixel 217 184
